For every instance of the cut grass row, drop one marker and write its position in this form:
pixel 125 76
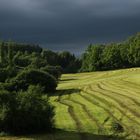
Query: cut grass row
pixel 76 110
pixel 115 102
pixel 111 114
pixel 114 96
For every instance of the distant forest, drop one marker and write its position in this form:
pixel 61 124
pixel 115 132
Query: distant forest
pixel 112 56
pixel 95 58
pixel 23 55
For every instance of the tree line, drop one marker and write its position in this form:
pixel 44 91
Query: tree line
pixel 112 56
pixel 24 54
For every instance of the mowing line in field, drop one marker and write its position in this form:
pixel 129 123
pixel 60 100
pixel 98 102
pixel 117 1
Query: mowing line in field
pixel 123 95
pixel 82 136
pixel 128 86
pixel 122 105
pixel 131 83
pixel 121 88
pixel 89 114
pixel 84 108
pixel 111 115
pixel 72 114
pixel 118 101
pixel 109 105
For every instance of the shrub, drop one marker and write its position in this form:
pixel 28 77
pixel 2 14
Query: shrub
pixel 25 112
pixel 7 86
pixel 34 77
pixel 7 73
pixel 22 62
pixel 117 127
pixel 56 71
pixel 3 75
pixel 38 62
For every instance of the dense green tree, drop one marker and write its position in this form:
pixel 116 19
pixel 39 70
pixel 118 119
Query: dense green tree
pixel 3 75
pixel 91 60
pixel 69 62
pixel 38 62
pixel 56 71
pixel 112 56
pixel 25 112
pixel 51 57
pixel 10 53
pixel 7 73
pixel 29 77
pixel 2 52
pixel 66 60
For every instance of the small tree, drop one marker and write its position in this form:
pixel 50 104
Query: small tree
pixel 117 127
pixel 2 53
pixel 10 53
pixel 56 71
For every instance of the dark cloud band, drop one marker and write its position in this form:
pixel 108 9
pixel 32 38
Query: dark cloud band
pixel 68 25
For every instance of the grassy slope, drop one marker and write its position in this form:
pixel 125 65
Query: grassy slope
pixel 89 102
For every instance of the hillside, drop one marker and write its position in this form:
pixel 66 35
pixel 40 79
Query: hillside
pixel 87 104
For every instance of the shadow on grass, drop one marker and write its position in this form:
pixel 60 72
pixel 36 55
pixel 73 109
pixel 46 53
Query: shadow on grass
pixel 65 92
pixel 66 135
pixel 63 80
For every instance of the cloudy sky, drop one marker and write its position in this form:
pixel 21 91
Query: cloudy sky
pixel 68 24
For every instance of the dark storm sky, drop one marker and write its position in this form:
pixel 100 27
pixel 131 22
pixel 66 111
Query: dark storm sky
pixel 68 24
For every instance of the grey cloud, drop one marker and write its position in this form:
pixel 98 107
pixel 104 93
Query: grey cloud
pixel 68 24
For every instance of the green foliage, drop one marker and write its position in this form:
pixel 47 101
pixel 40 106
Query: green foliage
pixel 25 112
pixel 34 77
pixel 51 57
pixel 22 60
pixel 56 71
pixel 7 73
pixel 2 53
pixel 10 53
pixel 112 56
pixel 38 62
pixel 69 62
pixel 3 75
pixel 25 48
pixel 92 58
pixel 27 55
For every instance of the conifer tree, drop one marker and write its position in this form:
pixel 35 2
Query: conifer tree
pixel 2 53
pixel 10 53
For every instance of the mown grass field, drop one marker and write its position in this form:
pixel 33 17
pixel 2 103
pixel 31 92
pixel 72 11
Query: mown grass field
pixel 87 104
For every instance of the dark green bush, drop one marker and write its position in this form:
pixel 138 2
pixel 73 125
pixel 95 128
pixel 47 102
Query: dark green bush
pixel 56 71
pixel 69 62
pixel 22 62
pixel 117 127
pixel 34 77
pixel 25 112
pixel 3 75
pixel 38 62
pixel 7 73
